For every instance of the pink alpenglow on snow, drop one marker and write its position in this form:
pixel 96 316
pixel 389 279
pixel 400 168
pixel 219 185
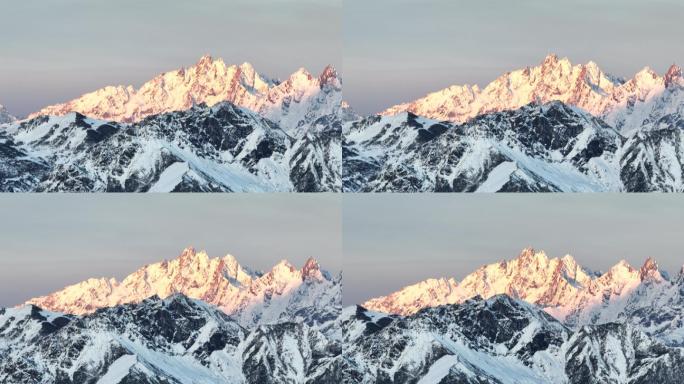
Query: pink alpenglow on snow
pixel 251 297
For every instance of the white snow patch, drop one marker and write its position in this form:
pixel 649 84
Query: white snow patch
pixel 118 370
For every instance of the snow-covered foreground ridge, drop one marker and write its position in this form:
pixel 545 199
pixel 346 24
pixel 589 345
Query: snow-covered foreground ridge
pixel 208 128
pixel 192 319
pixel 285 293
pixel 155 341
pixel 223 148
pixel 644 297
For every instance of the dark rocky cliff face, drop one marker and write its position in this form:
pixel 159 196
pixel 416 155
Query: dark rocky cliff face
pixel 537 148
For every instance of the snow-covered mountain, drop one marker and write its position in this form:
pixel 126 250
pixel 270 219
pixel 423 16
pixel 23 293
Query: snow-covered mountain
pixel 155 341
pixel 537 148
pixel 551 147
pixel 211 127
pixel 555 127
pixel 644 297
pixel 5 116
pixel 499 340
pixel 218 148
pixel 285 293
pixel 624 104
pixel 295 104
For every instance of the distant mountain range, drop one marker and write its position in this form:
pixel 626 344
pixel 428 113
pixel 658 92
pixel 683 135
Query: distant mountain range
pixel 190 319
pixel 5 116
pixel 223 148
pixel 553 127
pixel 532 319
pixel 499 340
pixel 210 127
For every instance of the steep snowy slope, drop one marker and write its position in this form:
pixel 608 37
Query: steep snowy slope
pixel 643 297
pixel 175 340
pixel 549 147
pixel 219 148
pixel 499 340
pixel 284 293
pixel 295 104
pixel 652 158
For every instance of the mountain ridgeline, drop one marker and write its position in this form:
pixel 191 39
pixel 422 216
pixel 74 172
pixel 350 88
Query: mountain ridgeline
pixel 550 128
pixel 532 319
pixel 208 128
pixel 499 340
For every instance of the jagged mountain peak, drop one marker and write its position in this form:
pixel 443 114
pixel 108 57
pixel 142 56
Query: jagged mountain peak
pixel 530 254
pixel 294 104
pixel 286 272
pixel 219 148
pixel 679 279
pixel 250 297
pixel 531 276
pixel 189 253
pixel 175 339
pixel 284 269
pixel 673 75
pixel 530 257
pixel 538 147
pixel 501 340
pixel 621 268
pixel 584 86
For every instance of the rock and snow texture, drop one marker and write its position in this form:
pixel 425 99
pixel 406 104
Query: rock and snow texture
pixel 620 102
pixel 223 148
pixel 542 320
pixel 295 104
pixel 554 127
pixel 285 293
pixel 499 340
pixel 645 297
pixel 5 116
pixel 172 340
pixel 208 128
pixel 551 147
